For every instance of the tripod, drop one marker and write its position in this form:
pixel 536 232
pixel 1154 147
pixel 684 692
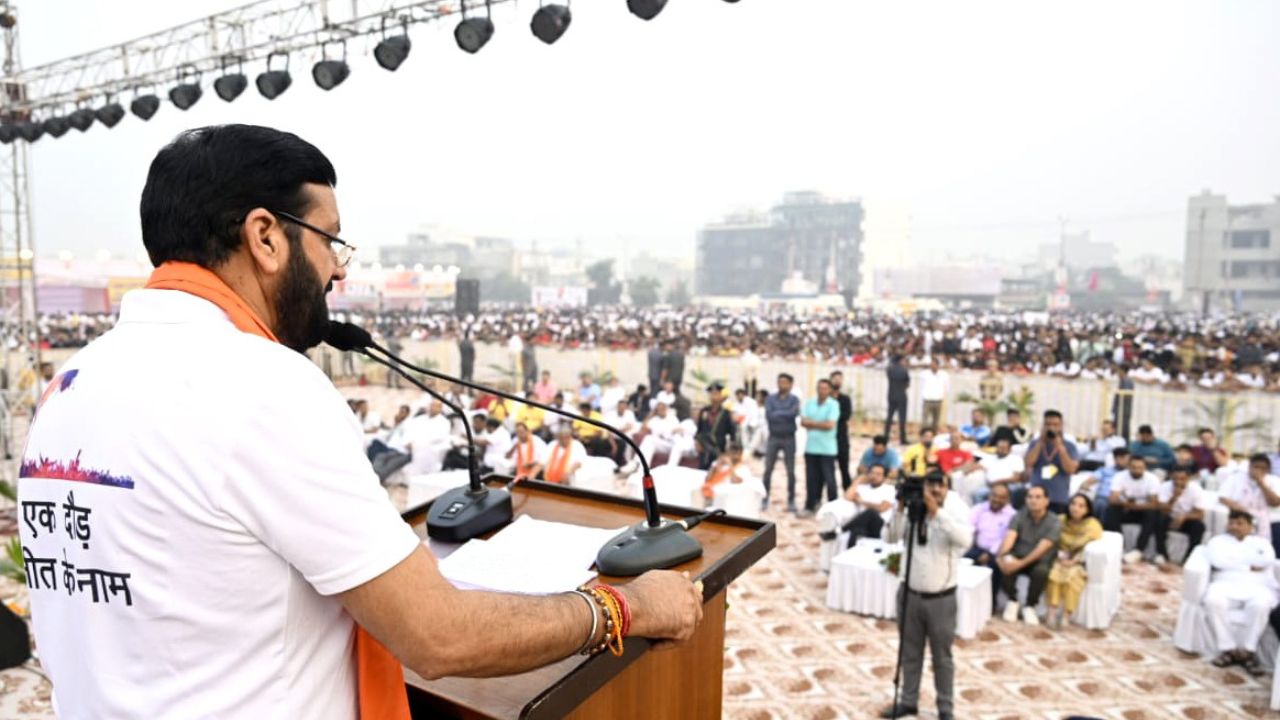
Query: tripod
pixel 915 530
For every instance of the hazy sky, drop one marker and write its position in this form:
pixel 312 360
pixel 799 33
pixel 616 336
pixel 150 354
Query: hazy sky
pixel 989 119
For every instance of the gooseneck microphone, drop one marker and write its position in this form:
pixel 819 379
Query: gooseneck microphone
pixel 652 544
pixel 461 513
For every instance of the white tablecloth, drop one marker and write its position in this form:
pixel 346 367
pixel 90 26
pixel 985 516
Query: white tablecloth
pixel 858 584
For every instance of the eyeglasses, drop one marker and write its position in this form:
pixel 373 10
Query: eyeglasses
pixel 342 250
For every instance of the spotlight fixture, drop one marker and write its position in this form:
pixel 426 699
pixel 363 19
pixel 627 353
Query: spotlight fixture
pixel 472 33
pixel 230 85
pixel 31 131
pixel 81 119
pixel 550 22
pixel 646 9
pixel 187 92
pixel 56 126
pixel 391 51
pixel 8 133
pixel 110 114
pixel 329 74
pixel 273 83
pixel 144 106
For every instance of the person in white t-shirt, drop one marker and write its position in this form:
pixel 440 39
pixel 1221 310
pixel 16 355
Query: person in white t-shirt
pixel 228 533
pixel 561 458
pixel 1133 500
pixel 427 438
pixel 1256 492
pixel 1243 581
pixel 865 508
pixel 666 434
pixel 494 443
pixel 1180 503
pixel 1001 467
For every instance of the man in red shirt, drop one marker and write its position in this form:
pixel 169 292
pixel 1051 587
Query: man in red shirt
pixel 952 456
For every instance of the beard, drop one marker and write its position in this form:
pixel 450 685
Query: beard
pixel 302 315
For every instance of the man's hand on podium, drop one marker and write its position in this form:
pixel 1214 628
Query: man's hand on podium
pixel 665 606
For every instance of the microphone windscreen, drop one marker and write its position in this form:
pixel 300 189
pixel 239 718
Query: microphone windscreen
pixel 345 336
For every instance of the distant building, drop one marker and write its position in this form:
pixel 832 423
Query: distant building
pixel 1078 252
pixel 1232 254
pixel 806 233
pixel 482 257
pixel 970 284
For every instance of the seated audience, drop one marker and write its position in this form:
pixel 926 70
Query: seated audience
pixel 597 441
pixel 1256 492
pixel 873 499
pixel 1133 501
pixel 1098 451
pixel 880 454
pixel 1242 581
pixel 917 458
pixel 1157 452
pixel 990 521
pixel 1001 468
pixel 1097 485
pixel 1028 549
pixel 977 429
pixel 1012 429
pixel 562 458
pixel 524 453
pixel 1068 576
pixel 1180 504
pixel 666 434
pixel 729 467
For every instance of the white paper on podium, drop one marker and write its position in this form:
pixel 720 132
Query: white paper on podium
pixel 528 556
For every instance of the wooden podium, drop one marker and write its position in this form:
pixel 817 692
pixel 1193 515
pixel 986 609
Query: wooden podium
pixel 680 683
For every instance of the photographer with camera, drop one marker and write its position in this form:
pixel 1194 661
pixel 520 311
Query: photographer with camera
pixel 1051 461
pixel 937 538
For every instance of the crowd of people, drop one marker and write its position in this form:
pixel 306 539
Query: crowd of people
pixel 1028 502
pixel 1179 351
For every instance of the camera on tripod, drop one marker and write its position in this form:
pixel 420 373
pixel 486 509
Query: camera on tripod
pixel 911 497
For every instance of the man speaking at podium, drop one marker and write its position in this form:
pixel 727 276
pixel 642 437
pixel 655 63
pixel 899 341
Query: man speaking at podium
pixel 203 534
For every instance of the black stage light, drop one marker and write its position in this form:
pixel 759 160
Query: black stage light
pixel 329 74
pixel 273 83
pixel 56 126
pixel 81 119
pixel 646 9
pixel 230 86
pixel 187 92
pixel 110 114
pixel 550 22
pixel 31 131
pixel 8 133
pixel 144 106
pixel 473 33
pixel 392 51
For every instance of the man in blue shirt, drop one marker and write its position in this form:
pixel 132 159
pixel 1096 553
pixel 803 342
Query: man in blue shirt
pixel 1156 451
pixel 977 430
pixel 1052 460
pixel 589 392
pixel 1100 481
pixel 820 450
pixel 880 454
pixel 780 412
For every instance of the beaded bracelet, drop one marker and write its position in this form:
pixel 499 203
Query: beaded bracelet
pixel 623 606
pixel 613 620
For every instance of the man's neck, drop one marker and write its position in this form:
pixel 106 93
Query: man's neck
pixel 1039 515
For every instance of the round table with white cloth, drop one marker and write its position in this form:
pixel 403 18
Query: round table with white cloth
pixel 859 584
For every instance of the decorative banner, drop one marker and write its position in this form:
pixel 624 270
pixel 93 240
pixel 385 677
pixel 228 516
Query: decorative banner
pixel 564 296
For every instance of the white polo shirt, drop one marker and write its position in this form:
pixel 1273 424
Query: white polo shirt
pixel 220 498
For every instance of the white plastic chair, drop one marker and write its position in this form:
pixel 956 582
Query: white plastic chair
pixel 674 485
pixel 596 473
pixel 1100 600
pixel 831 517
pixel 1192 633
pixel 741 499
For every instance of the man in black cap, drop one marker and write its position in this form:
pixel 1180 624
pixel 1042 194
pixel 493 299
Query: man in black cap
pixel 716 428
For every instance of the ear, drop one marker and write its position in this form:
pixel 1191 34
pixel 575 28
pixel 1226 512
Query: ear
pixel 265 240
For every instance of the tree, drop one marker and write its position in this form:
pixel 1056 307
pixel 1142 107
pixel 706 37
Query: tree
pixel 644 292
pixel 604 289
pixel 679 294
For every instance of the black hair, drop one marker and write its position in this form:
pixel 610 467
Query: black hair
pixel 1185 446
pixel 880 440
pixel 1240 515
pixel 1260 458
pixel 1052 414
pixel 1145 430
pixel 1120 452
pixel 787 377
pixel 1183 468
pixel 1088 505
pixel 200 187
pixel 492 424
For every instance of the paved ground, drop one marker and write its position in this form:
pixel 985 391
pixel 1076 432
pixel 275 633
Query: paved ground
pixel 788 656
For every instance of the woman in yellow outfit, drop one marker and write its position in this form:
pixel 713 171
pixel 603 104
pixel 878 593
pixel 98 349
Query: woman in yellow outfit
pixel 1068 576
